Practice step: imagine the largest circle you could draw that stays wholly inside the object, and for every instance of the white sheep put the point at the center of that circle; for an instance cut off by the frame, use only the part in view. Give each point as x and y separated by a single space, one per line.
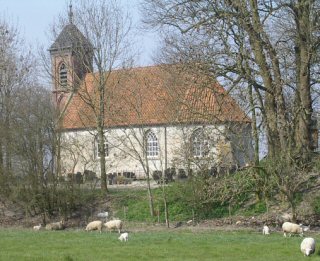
103 215
124 237
265 230
291 228
114 224
37 228
305 228
55 226
308 246
94 225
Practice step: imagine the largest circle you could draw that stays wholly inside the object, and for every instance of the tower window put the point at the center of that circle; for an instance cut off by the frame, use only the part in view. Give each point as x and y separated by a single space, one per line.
63 75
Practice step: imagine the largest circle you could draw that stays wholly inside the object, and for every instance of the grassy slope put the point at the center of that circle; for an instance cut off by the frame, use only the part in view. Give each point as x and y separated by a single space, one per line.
22 244
137 207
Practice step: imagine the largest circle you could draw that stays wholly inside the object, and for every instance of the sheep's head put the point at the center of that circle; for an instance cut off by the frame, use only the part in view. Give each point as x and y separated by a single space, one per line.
306 228
309 251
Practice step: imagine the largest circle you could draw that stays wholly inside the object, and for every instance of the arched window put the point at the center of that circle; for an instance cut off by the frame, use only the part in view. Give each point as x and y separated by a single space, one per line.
199 143
97 148
152 145
63 75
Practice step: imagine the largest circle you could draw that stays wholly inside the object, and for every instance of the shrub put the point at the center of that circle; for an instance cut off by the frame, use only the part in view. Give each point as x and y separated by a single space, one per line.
316 205
168 175
78 178
181 174
156 175
255 209
89 175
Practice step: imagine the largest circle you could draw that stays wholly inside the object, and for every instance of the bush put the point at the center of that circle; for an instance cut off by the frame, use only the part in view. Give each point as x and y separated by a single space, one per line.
255 209
78 178
168 175
182 174
89 175
156 175
316 205
130 175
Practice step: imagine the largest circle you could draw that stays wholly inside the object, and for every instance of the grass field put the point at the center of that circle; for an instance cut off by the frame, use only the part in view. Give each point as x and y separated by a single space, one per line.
23 244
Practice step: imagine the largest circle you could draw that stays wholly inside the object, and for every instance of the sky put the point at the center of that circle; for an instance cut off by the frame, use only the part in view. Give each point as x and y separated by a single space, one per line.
34 17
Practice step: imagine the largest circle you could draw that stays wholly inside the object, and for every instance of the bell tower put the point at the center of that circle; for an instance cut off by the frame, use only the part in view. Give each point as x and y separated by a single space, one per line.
71 59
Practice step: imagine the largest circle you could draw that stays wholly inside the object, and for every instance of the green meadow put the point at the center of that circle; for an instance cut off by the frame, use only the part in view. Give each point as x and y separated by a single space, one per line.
24 244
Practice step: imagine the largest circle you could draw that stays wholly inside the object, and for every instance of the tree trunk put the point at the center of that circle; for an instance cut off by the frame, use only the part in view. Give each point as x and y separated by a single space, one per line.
165 203
102 159
58 154
1 159
166 211
254 127
257 45
303 95
294 212
100 129
151 205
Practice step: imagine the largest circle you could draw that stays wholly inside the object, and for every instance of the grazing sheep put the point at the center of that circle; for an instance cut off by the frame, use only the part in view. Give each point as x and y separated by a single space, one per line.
94 225
291 228
37 228
305 228
124 237
308 246
265 230
55 226
103 215
114 224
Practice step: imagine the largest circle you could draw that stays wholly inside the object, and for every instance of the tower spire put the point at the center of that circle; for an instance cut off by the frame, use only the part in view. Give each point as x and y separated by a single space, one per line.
70 13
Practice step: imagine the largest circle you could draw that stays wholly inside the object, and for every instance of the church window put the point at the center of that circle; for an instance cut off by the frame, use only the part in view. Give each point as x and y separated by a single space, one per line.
97 148
63 75
200 145
152 145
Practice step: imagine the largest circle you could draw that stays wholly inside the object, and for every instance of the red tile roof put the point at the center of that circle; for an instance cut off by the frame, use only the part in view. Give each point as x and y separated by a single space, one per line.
150 96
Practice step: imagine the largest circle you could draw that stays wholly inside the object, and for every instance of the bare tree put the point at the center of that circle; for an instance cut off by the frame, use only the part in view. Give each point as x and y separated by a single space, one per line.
266 53
102 46
234 43
33 147
14 74
130 109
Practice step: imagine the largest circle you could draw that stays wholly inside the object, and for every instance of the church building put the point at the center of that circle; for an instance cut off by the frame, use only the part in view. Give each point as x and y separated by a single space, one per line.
154 117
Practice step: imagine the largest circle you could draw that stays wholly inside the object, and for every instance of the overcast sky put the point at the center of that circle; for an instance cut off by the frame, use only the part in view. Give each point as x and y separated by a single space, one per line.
34 17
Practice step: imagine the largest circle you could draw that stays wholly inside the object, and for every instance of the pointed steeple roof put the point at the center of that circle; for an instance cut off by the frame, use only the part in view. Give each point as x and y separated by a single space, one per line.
69 38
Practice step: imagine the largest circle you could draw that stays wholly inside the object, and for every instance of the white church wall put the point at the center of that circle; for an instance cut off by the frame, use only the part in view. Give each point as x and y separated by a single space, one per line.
126 149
